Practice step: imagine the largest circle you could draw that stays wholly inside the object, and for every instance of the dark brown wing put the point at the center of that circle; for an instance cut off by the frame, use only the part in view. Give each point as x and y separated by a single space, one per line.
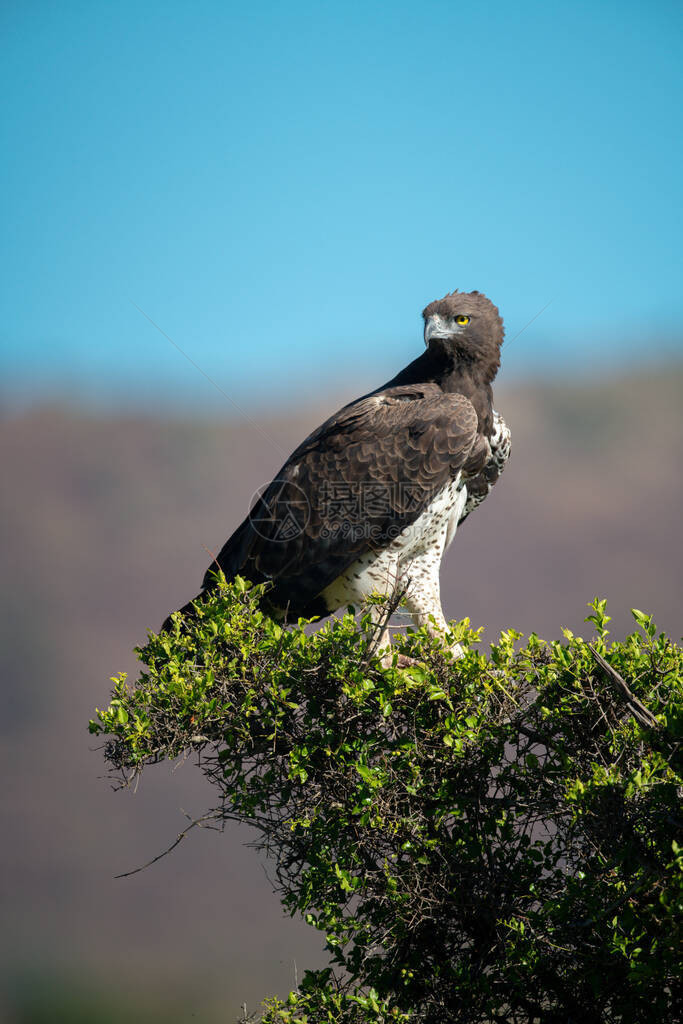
481 482
350 487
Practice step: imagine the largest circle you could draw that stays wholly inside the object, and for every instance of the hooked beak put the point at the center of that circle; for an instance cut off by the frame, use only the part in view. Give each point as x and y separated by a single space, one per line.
436 327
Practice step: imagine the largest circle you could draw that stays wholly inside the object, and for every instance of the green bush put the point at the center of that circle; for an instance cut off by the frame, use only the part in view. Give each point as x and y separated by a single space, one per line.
485 839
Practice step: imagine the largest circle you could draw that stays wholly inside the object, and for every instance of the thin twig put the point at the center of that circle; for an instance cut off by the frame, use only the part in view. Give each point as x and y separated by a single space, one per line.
180 837
636 707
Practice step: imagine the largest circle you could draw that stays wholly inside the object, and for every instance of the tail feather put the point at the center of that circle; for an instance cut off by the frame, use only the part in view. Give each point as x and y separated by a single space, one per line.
232 556
230 560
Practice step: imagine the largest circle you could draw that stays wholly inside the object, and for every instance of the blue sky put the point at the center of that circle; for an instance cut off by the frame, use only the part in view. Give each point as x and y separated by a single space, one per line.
281 187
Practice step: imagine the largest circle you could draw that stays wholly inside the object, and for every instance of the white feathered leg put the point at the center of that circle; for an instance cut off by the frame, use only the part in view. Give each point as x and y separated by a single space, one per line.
423 599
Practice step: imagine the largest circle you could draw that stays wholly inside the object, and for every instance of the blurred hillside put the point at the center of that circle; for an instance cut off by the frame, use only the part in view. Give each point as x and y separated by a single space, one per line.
105 524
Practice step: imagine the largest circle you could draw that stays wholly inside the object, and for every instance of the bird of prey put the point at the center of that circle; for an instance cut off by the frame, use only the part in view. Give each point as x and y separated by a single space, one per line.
370 501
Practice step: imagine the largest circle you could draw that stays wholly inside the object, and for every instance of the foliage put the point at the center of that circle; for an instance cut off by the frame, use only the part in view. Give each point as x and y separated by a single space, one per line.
482 839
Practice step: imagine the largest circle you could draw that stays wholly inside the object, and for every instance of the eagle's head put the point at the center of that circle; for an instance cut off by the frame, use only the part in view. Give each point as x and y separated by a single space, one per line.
467 326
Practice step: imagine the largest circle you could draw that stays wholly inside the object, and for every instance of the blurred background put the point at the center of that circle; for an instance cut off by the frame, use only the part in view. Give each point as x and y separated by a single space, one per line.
220 222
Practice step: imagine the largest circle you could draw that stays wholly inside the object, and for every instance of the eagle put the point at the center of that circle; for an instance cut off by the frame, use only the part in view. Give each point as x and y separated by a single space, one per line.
370 500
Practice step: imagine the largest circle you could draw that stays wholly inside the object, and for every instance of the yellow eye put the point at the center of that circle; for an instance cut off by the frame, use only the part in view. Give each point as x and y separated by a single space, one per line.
462 320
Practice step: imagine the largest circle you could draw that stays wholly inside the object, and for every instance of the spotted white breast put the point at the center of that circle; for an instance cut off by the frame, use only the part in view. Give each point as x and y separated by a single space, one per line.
411 559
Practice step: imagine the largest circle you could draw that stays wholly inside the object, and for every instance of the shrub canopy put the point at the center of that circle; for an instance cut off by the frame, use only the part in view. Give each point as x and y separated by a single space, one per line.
492 838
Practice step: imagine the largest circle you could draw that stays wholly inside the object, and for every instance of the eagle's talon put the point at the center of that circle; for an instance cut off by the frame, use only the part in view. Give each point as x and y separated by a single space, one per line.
394 659
405 661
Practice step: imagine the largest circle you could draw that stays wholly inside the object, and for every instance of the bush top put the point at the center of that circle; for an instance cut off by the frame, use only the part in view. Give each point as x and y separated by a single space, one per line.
492 838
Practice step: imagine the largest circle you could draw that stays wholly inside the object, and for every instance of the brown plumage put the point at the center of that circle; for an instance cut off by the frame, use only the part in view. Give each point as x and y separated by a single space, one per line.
399 460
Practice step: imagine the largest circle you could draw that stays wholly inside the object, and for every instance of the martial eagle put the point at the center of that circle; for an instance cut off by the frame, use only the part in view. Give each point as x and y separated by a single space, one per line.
370 500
